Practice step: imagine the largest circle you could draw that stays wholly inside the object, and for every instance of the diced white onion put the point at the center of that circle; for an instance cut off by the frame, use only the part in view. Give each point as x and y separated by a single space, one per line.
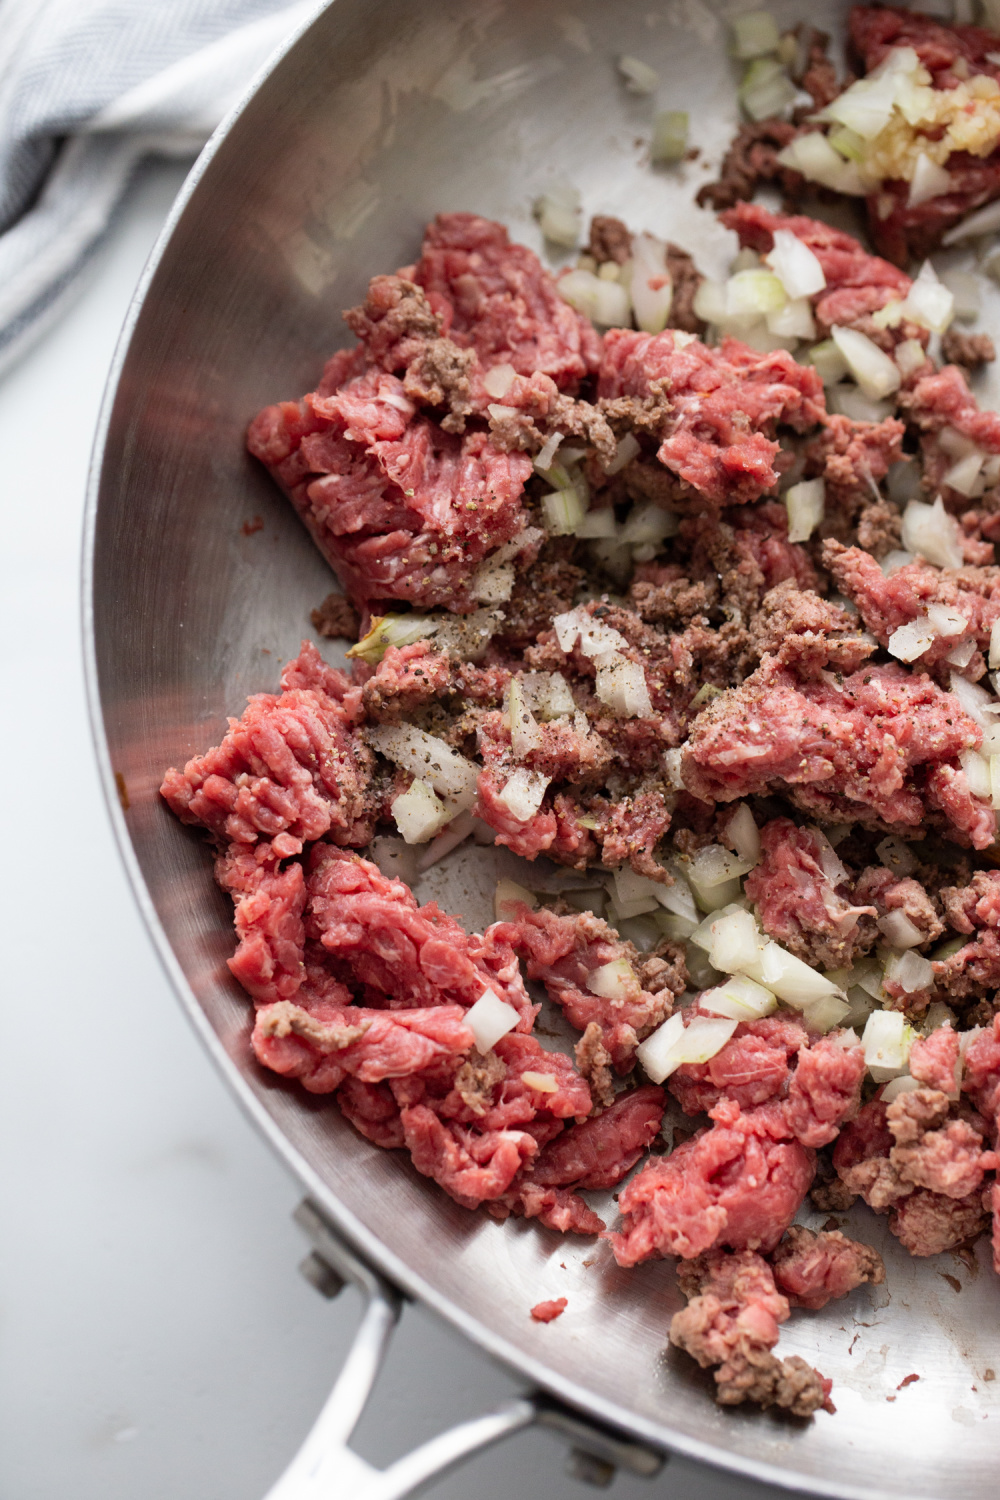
558 213
866 107
598 523
542 1083
735 942
910 355
743 833
710 301
429 759
605 302
752 294
508 896
928 181
467 636
830 365
896 856
670 135
977 774
621 684
650 283
793 321
887 1040
392 630
498 380
490 1019
754 34
910 971
876 374
525 732
894 560
563 510
984 221
766 89
524 793
965 287
791 980
702 1038
947 621
908 642
613 981
740 998
964 476
713 865
419 814
899 931
960 655
630 886
815 158
929 301
547 452
649 523
805 503
628 448
903 1084
995 644
973 698
677 898
493 582
823 1015
655 1052
639 77
928 530
594 637
795 265
991 740
848 401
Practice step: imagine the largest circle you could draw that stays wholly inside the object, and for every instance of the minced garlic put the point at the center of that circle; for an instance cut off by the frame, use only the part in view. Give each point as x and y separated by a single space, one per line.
965 118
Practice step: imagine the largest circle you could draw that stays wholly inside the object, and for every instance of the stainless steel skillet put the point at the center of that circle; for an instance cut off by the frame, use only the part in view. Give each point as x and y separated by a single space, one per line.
381 114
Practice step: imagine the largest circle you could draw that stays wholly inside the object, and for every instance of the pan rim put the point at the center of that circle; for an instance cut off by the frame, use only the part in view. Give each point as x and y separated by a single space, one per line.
379 1255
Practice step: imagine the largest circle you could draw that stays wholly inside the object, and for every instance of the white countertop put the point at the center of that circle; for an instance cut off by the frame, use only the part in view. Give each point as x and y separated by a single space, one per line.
157 1342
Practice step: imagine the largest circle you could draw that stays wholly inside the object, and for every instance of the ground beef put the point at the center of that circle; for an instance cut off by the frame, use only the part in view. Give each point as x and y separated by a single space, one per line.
928 1223
601 1151
289 770
950 53
825 1091
887 603
880 529
967 349
610 239
545 1312
820 76
562 952
731 1321
932 1151
934 1061
861 1159
941 398
498 299
594 1062
686 279
739 1183
974 911
336 618
407 678
555 1208
720 406
752 159
803 897
800 630
754 1065
853 457
811 1269
547 588
879 745
981 1080
856 283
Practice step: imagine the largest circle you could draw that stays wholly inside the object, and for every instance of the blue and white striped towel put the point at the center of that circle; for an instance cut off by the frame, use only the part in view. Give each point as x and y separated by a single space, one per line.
88 88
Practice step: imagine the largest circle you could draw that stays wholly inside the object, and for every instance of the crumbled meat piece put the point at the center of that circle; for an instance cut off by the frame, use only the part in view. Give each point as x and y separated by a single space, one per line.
825 1090
820 76
471 1166
663 969
752 159
934 1060
932 1151
373 1111
974 911
555 1208
601 1151
967 349
803 898
853 457
941 398
738 1183
268 918
731 1321
547 588
545 1312
686 279
394 322
609 240
562 952
443 375
811 1269
594 1062
753 1066
929 1223
981 1079
880 887
800 630
720 406
336 618
880 529
879 746
861 1159
288 770
477 1079
405 679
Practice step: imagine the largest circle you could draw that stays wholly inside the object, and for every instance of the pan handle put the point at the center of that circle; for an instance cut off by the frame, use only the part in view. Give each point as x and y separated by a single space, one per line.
326 1468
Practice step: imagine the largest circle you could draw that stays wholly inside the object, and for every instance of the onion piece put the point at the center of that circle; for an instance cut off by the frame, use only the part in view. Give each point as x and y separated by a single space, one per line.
524 793
498 380
828 362
887 1040
752 294
847 401
490 1019
419 813
815 158
649 523
795 265
984 221
740 998
655 1052
460 828
629 886
710 301
977 774
928 181
628 448
903 1083
701 1039
908 642
428 758
929 302
598 523
744 835
965 475
594 638
754 34
766 90
805 503
639 77
876 374
823 1015
670 135
946 621
525 732
392 630
994 661
677 898
650 285
791 980
928 530
910 971
547 452
910 355
558 214
896 856
735 942
793 321
508 896
960 655
899 931
613 981
563 510
713 865
973 698
621 684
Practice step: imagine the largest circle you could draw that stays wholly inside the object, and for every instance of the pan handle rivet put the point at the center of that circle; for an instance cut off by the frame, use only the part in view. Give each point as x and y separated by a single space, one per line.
320 1274
589 1469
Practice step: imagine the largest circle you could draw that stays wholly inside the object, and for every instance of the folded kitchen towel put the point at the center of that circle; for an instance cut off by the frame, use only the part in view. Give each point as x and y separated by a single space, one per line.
88 88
